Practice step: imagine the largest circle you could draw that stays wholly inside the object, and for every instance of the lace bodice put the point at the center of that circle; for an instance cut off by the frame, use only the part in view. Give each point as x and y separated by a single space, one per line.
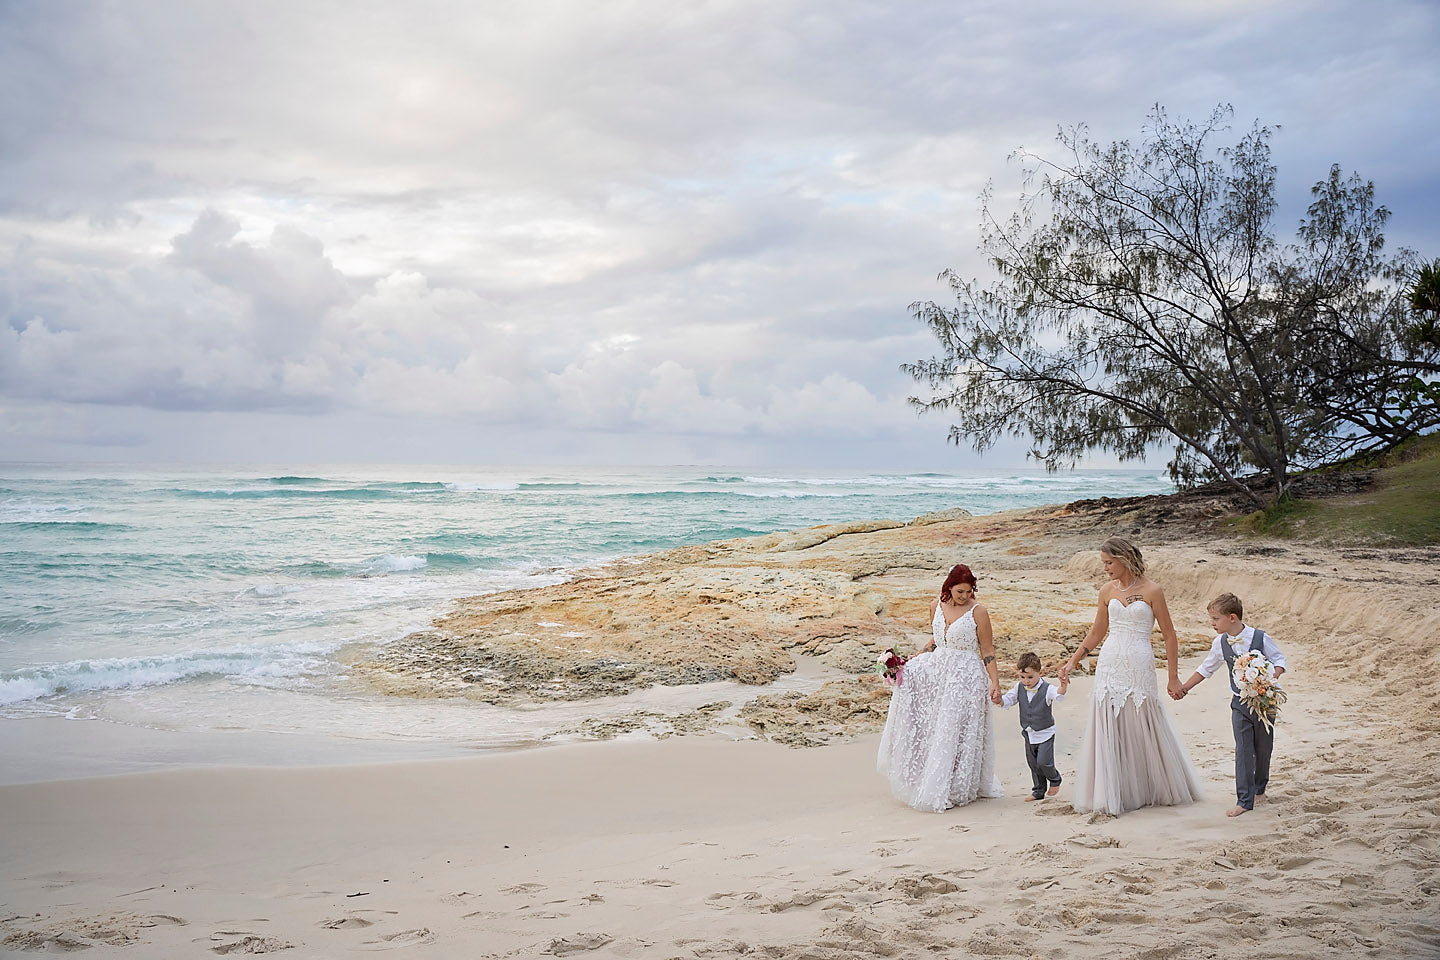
1132 623
1125 669
959 635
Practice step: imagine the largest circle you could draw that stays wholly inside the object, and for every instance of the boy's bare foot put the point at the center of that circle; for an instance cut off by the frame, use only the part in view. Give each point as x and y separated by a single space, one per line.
1052 791
1261 798
1236 810
1031 799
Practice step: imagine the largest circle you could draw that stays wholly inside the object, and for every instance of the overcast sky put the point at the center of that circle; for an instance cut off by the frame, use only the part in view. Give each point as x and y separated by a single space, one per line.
612 232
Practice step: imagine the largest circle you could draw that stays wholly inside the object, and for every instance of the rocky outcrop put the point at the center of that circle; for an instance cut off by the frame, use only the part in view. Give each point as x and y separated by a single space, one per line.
747 610
603 635
839 710
941 516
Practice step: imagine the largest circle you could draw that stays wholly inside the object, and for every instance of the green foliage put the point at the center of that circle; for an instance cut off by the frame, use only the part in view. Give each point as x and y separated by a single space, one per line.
1425 295
1270 517
1402 509
1425 300
1142 300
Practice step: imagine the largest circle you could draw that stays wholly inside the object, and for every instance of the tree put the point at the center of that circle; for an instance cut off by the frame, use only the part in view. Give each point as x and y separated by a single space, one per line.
1425 295
1142 300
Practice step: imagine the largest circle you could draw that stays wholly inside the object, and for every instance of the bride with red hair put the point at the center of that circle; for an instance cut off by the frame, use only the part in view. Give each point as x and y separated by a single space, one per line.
938 748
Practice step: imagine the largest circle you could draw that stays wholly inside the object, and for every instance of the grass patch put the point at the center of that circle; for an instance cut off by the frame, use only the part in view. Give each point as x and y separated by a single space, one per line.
1403 508
1272 519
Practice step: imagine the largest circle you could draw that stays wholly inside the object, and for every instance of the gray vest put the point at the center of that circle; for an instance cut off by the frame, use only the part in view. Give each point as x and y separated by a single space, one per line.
1034 714
1257 643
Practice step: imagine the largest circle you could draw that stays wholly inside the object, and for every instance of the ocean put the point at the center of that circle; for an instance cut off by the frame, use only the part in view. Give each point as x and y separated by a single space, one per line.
229 599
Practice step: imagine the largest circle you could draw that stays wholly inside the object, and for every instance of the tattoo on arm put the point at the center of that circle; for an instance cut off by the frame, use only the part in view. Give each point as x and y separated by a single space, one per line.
988 660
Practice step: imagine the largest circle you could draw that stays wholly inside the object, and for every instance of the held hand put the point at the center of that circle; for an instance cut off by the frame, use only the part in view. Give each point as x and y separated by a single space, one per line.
1065 669
1177 690
995 697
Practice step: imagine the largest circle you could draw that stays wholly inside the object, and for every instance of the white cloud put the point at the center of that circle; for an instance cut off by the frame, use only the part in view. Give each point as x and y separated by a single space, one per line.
694 224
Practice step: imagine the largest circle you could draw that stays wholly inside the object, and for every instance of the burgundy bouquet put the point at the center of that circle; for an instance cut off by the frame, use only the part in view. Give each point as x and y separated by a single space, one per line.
892 666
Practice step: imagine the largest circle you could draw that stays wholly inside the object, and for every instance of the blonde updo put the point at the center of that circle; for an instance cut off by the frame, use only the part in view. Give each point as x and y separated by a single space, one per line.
1127 553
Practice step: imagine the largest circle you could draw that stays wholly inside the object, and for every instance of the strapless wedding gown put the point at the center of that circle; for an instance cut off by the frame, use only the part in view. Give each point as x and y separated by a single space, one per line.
1132 755
938 748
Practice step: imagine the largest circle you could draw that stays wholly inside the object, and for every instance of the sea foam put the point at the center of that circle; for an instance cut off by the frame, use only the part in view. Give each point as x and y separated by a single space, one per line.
245 663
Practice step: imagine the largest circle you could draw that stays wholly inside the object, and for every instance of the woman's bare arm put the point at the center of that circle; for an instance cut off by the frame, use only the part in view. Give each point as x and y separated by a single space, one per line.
985 635
931 645
1156 599
1093 638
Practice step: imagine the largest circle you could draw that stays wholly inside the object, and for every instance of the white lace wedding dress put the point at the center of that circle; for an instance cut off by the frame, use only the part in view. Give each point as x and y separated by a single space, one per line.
938 748
1132 755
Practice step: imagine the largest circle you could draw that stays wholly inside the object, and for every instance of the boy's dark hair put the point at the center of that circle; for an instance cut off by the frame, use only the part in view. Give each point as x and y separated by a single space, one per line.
1028 661
1227 603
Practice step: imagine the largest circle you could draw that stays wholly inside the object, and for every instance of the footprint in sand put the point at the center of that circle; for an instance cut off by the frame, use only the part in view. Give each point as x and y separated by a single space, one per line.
717 900
1295 863
1322 806
523 888
405 938
33 940
350 922
162 920
924 887
250 944
805 899
579 943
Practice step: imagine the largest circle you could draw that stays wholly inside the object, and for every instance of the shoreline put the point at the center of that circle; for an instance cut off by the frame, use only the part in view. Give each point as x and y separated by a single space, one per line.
754 690
812 608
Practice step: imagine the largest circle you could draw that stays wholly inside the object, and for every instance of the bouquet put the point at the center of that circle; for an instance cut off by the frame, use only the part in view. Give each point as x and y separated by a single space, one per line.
892 666
1259 690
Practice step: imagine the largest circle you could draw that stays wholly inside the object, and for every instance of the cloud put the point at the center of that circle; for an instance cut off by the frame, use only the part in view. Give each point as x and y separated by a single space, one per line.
692 223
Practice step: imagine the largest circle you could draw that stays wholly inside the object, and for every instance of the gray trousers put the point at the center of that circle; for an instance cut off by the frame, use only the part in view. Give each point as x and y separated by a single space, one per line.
1041 757
1253 746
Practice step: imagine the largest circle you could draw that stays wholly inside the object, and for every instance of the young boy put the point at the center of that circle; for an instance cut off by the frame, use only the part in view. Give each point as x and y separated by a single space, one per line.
1253 742
1037 724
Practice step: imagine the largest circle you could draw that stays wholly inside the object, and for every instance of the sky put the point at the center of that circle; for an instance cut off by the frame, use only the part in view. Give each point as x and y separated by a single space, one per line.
606 233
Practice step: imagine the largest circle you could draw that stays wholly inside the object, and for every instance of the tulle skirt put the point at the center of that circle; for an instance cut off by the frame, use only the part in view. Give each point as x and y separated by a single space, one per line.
1132 757
938 748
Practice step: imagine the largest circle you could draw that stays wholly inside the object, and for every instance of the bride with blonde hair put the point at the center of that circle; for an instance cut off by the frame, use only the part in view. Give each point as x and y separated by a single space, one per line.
1132 755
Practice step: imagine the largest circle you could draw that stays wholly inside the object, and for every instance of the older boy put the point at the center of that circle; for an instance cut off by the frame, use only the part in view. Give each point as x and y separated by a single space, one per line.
1254 742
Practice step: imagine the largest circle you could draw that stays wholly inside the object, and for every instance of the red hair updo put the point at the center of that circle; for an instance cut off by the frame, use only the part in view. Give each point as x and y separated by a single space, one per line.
959 574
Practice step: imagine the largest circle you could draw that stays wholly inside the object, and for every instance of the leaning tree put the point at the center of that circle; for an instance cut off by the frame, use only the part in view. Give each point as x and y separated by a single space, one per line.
1141 300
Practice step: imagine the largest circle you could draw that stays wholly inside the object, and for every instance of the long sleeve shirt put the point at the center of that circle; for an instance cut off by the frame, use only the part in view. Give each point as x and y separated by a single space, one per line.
1052 697
1240 643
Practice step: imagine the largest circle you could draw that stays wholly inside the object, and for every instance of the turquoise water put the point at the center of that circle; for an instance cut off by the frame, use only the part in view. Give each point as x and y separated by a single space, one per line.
182 596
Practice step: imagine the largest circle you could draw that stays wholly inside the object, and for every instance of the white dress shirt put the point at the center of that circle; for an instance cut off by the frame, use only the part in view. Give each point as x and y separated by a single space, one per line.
1240 643
1052 696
